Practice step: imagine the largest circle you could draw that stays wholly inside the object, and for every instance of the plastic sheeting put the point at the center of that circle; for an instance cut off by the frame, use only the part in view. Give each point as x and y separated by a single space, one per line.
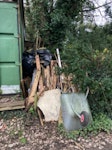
28 60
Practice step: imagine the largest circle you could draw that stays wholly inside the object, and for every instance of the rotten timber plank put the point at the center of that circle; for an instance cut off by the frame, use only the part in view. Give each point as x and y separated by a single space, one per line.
12 105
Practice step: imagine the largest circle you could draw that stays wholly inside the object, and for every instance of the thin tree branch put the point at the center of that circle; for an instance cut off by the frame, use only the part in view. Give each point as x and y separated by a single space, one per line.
97 7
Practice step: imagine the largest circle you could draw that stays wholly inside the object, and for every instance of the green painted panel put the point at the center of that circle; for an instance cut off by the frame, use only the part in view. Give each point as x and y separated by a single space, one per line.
8 18
9 74
9 49
9 45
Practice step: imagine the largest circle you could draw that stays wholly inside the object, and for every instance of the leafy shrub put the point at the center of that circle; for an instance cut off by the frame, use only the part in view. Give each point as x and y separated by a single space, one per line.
90 68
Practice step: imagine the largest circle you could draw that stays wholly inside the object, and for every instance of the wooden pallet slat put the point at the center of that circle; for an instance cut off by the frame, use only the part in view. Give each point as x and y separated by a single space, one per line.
12 105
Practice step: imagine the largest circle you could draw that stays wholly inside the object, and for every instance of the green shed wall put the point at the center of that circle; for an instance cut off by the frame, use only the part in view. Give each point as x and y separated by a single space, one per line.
11 37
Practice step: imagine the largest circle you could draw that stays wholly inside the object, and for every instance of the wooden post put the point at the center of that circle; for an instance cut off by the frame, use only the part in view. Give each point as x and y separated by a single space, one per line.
33 91
47 76
41 85
60 119
40 116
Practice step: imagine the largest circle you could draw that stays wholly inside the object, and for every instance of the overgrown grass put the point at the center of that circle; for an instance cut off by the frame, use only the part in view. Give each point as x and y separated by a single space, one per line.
101 123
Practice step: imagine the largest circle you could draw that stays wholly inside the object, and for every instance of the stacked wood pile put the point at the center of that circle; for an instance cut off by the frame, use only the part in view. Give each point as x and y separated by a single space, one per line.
44 78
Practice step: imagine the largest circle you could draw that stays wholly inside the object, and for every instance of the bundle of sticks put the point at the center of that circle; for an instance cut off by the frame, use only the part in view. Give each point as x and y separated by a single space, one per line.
44 78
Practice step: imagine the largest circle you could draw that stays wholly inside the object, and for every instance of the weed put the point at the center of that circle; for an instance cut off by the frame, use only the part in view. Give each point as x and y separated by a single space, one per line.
23 140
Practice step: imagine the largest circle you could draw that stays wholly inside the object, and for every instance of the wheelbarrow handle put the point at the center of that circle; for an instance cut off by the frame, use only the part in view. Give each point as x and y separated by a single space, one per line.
87 92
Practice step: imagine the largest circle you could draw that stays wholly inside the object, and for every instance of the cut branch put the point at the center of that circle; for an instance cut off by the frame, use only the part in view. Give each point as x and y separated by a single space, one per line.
96 7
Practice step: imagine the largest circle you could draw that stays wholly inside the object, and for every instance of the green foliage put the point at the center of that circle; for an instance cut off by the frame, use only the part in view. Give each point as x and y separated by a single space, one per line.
90 68
108 34
23 140
53 19
32 111
87 49
101 123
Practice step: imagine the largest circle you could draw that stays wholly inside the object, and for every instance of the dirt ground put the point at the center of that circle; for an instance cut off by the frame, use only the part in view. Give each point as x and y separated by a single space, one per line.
20 130
25 133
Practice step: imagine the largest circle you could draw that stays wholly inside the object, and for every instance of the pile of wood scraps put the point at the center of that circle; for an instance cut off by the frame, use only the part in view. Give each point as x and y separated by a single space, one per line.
46 87
66 84
11 102
44 79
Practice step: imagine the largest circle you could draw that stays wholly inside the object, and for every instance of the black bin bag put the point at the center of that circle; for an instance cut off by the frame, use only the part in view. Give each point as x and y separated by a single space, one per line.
28 64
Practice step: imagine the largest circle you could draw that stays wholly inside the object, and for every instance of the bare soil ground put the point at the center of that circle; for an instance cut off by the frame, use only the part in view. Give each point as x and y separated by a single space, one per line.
20 130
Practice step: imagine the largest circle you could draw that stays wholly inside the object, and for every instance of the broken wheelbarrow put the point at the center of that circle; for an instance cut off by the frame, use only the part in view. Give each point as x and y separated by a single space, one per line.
75 111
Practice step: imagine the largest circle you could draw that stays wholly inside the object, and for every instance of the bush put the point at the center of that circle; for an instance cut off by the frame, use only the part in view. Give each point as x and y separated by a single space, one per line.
90 68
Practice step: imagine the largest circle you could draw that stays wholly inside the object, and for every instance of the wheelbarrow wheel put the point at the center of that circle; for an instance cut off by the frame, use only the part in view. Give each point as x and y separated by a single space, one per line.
84 118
